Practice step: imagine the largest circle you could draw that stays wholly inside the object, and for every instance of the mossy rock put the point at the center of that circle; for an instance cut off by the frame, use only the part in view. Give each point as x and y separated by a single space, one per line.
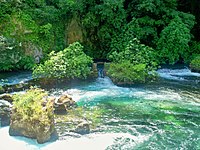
32 115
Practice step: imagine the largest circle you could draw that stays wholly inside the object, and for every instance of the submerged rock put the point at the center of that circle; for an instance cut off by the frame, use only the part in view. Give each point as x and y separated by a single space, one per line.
83 128
64 103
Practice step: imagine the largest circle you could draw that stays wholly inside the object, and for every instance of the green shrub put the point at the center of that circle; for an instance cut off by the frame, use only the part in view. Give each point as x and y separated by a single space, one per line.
136 53
72 62
126 72
195 63
27 62
173 43
133 64
29 106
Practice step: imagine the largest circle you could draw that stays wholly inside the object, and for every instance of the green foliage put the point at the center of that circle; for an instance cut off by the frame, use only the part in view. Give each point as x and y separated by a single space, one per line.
128 73
194 50
12 58
108 26
102 20
32 22
132 64
26 63
195 63
29 107
173 42
136 53
72 62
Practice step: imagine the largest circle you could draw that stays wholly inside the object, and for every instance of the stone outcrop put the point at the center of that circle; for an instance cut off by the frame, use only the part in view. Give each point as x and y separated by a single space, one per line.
35 119
64 103
74 30
32 130
33 50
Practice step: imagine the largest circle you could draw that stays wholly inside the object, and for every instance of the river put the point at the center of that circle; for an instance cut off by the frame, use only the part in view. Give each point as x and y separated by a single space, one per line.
156 116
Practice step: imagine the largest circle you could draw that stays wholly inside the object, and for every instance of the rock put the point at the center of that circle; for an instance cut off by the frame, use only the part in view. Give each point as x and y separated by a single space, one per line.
36 118
6 97
28 129
5 108
64 103
83 128
74 30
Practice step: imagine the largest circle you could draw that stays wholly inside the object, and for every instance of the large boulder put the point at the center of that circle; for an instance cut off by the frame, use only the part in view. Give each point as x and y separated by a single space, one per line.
32 116
5 108
64 103
42 133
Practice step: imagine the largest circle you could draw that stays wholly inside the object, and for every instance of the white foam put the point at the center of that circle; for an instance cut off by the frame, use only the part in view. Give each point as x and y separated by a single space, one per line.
176 74
96 91
94 141
3 102
157 95
103 87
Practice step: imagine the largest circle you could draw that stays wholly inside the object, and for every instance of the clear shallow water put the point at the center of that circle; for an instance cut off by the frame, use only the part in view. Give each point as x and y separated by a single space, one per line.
163 115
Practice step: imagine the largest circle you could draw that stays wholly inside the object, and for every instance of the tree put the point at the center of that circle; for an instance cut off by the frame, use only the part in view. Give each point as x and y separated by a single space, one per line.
173 42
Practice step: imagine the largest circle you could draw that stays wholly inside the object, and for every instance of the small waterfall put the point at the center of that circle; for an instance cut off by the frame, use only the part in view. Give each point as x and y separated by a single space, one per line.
100 69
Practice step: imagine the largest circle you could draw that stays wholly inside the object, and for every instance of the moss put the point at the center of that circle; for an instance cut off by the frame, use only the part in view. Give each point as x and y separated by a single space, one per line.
33 106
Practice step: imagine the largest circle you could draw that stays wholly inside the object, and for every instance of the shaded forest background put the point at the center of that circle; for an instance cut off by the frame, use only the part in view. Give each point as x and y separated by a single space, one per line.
108 29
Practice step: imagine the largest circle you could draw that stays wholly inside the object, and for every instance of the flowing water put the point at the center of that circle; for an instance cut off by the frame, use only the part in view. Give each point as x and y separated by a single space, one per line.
11 78
157 116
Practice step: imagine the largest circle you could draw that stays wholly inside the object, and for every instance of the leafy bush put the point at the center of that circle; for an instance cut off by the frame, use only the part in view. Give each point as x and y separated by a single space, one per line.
195 63
29 106
173 42
132 64
126 72
136 53
72 62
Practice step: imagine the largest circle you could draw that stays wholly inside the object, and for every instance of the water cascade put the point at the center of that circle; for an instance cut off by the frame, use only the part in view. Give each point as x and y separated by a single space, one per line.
100 69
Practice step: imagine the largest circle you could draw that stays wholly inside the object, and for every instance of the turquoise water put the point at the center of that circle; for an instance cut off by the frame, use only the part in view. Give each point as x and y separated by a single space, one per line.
11 78
163 115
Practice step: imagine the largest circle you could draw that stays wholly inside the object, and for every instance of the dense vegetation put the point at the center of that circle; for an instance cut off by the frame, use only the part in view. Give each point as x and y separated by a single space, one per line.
195 64
72 62
37 32
134 63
